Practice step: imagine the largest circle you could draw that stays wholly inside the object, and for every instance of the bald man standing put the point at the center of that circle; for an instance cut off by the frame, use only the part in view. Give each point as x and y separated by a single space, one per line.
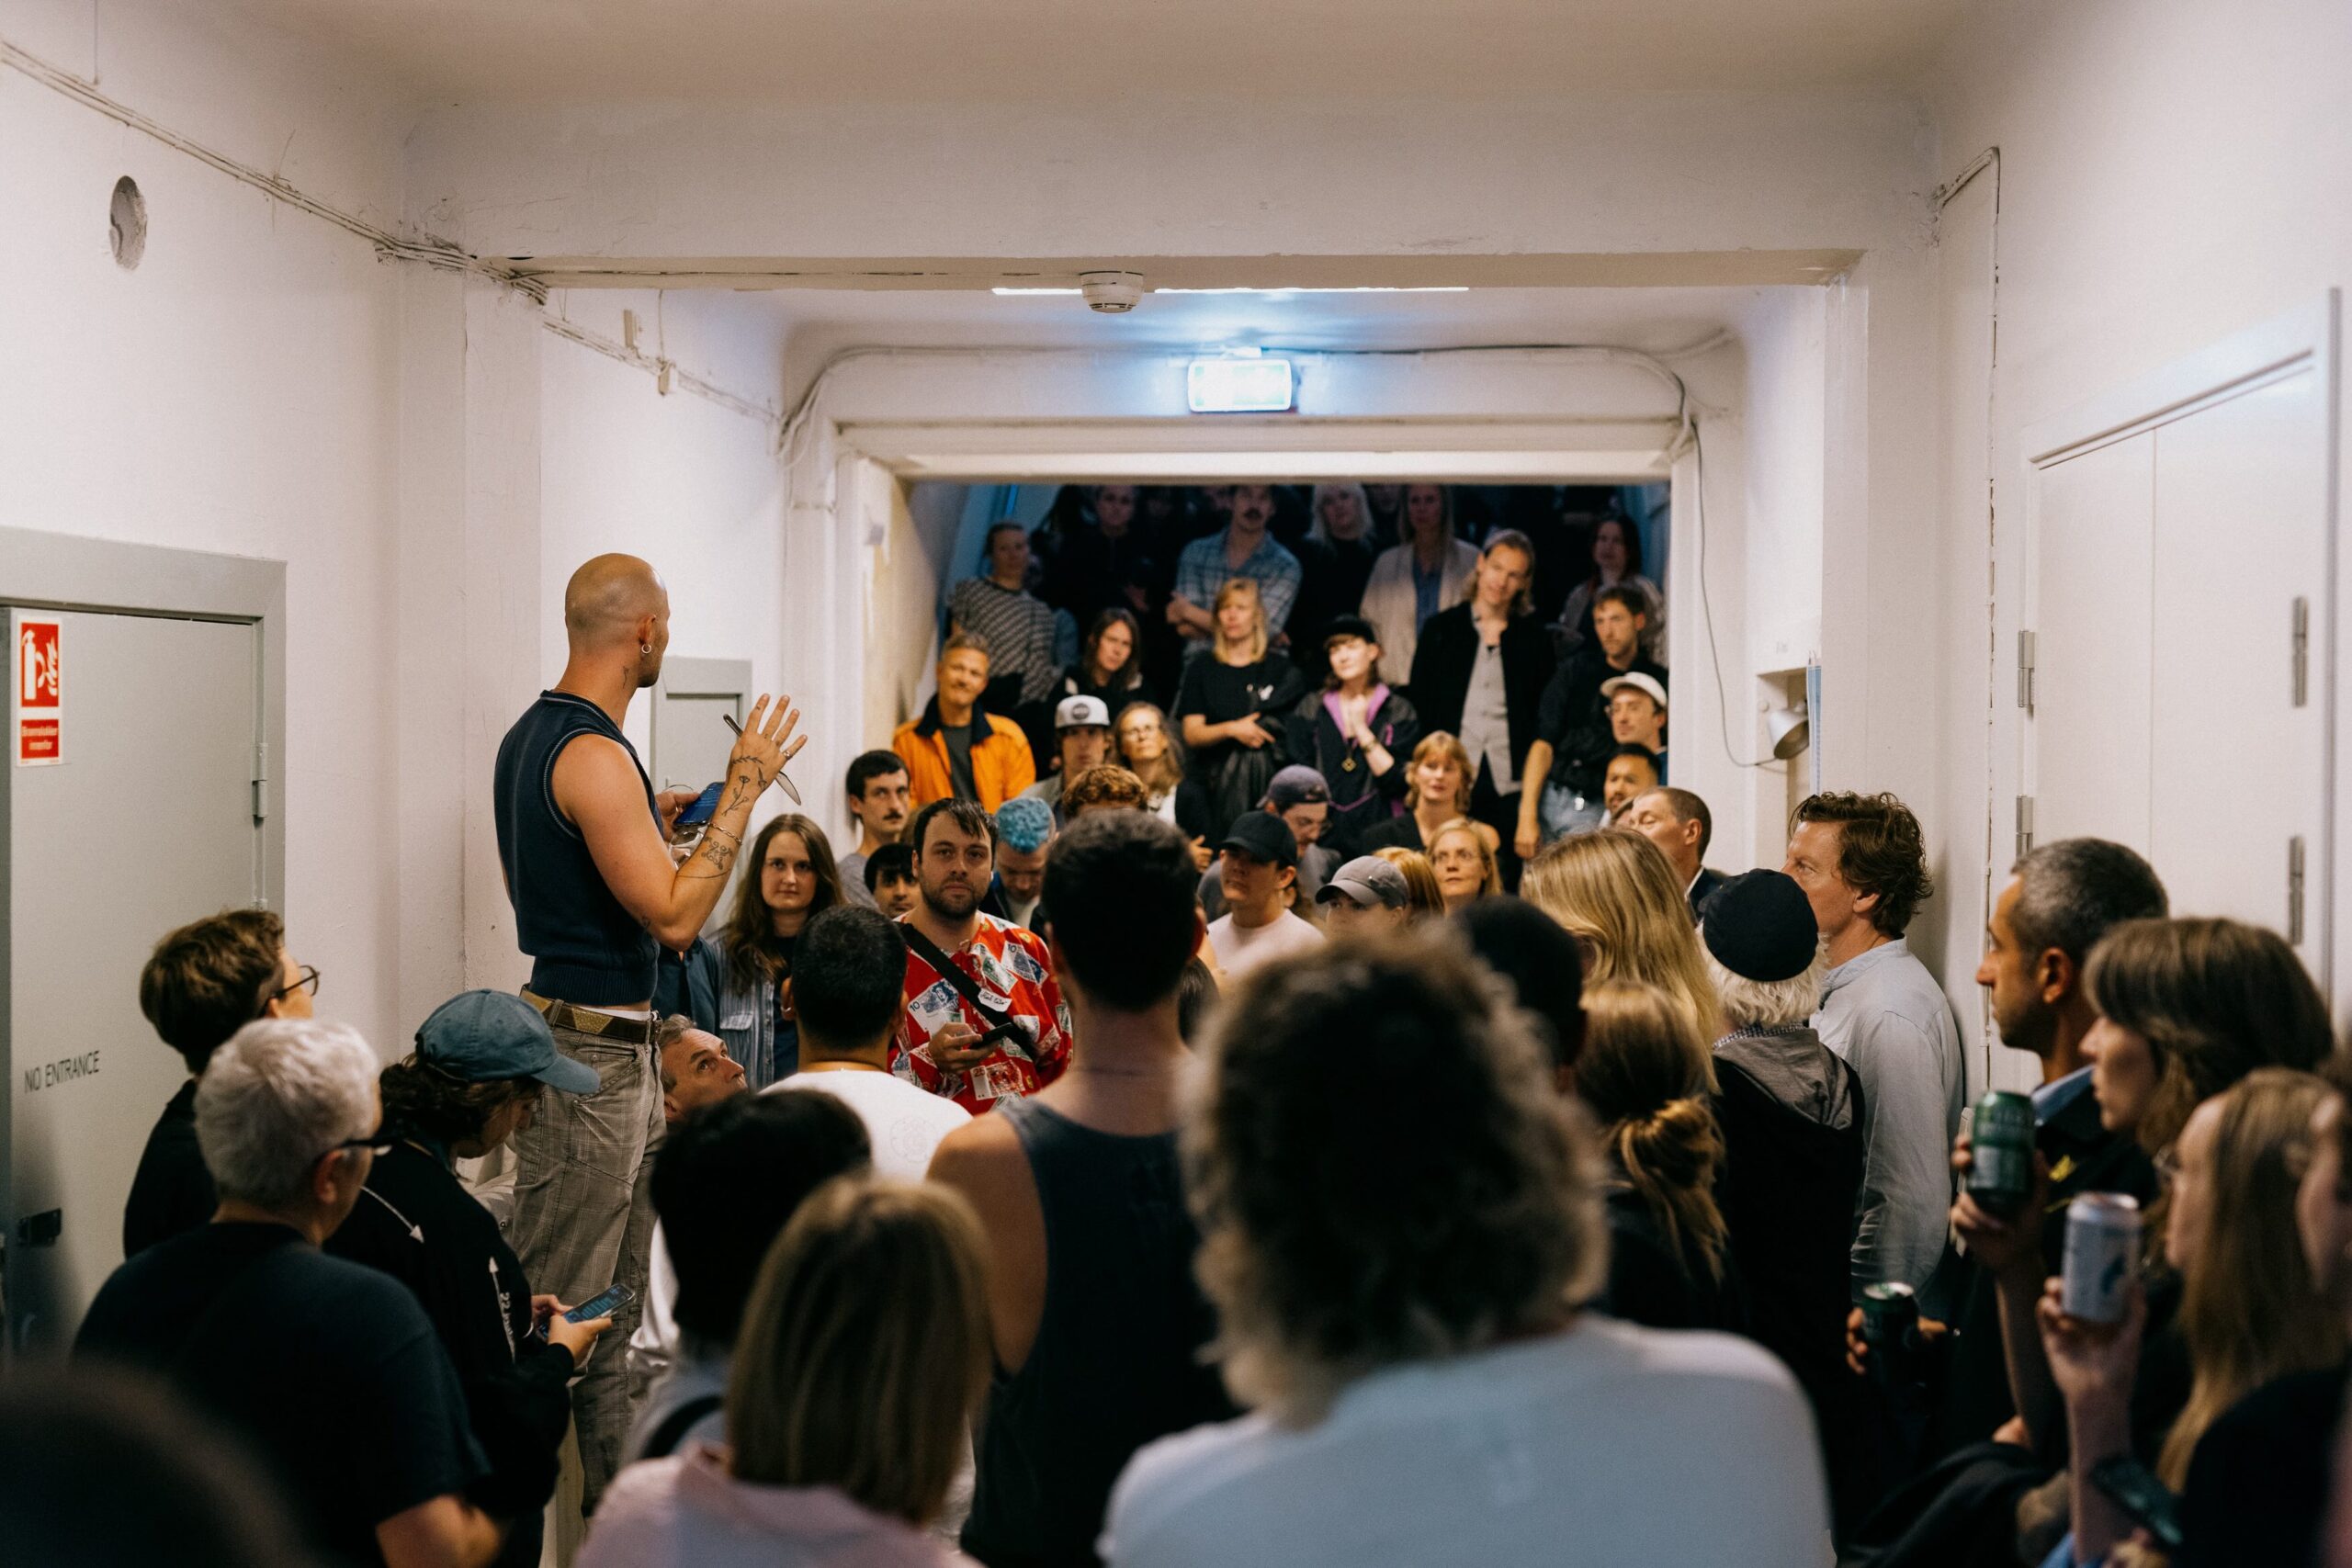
586 845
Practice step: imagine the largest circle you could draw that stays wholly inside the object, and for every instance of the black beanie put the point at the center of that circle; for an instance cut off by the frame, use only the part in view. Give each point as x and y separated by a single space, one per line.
1759 927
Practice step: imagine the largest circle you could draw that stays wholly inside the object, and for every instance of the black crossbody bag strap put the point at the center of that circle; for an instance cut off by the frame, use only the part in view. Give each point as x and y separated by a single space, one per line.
953 973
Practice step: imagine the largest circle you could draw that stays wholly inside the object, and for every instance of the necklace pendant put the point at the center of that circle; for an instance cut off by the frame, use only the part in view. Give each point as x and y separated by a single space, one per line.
1348 766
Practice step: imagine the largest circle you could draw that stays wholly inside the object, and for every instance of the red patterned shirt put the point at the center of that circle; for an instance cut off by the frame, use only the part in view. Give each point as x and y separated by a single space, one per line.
1016 979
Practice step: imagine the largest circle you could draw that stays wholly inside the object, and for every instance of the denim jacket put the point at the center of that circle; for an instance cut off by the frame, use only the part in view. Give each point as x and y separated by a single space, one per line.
742 1015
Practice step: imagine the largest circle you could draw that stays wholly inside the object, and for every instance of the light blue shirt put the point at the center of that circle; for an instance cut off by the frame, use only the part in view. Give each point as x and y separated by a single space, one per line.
2053 1099
1886 1016
1201 571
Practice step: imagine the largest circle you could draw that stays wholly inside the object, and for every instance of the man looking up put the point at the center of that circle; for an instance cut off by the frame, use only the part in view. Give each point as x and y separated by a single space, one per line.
1863 867
695 1068
880 797
1574 738
1260 869
971 975
1242 550
1024 828
1097 1336
957 750
203 983
585 843
850 991
1679 824
1300 796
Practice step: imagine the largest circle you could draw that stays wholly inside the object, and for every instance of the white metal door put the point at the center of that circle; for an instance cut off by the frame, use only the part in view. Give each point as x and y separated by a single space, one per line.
690 740
149 821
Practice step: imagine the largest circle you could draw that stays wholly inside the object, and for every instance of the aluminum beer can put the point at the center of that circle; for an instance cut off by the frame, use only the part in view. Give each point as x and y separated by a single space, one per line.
2102 1252
2000 1146
1890 1327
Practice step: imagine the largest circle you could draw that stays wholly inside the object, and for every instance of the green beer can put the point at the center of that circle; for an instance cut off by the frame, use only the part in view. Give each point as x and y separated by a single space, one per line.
2000 1142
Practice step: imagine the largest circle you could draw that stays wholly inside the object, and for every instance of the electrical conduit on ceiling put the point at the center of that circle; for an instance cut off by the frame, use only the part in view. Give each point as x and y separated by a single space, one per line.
389 246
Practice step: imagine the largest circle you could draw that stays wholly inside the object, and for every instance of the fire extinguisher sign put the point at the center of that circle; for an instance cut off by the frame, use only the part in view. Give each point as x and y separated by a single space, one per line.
40 708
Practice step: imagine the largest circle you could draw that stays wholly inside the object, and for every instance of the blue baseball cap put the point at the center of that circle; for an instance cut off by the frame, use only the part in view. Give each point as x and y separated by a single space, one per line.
482 1035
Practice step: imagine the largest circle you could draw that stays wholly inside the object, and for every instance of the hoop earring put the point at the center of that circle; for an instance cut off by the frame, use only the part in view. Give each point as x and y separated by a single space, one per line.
644 648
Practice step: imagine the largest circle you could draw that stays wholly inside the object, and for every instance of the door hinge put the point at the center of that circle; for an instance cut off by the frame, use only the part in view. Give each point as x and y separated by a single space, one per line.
261 781
2295 891
2025 826
2025 670
2301 636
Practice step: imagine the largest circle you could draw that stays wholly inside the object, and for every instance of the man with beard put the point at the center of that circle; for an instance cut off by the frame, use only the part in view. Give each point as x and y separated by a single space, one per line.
985 1019
585 843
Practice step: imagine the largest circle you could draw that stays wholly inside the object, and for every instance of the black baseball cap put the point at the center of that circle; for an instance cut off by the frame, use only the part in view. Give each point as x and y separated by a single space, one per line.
1760 927
1348 625
1263 836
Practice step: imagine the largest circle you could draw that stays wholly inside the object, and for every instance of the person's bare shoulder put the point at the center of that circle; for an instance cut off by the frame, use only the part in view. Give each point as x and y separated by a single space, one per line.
977 1153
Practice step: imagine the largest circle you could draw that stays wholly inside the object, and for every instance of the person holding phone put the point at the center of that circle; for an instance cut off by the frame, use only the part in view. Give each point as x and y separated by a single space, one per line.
585 846
985 1020
483 1063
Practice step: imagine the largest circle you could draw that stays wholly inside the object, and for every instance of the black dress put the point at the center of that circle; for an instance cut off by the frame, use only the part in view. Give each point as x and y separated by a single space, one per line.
1235 776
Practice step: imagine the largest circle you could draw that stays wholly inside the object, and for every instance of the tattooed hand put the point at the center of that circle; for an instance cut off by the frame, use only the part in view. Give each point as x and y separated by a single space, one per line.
762 749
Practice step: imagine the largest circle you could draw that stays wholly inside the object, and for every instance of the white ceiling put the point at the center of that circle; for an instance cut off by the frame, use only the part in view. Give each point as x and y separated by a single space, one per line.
1023 49
1653 319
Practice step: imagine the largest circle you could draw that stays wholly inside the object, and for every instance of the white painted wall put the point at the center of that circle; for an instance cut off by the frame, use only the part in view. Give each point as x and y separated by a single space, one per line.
426 458
2169 174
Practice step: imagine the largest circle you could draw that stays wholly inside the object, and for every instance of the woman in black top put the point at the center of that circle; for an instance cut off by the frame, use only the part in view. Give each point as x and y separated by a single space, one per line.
472 1083
1479 673
1357 733
1109 664
1231 704
1644 1074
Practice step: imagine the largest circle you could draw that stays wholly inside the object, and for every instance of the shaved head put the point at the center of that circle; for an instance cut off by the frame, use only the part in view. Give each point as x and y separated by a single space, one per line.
607 605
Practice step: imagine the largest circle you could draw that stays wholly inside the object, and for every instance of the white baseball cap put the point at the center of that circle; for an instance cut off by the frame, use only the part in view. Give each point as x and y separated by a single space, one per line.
1636 682
1082 712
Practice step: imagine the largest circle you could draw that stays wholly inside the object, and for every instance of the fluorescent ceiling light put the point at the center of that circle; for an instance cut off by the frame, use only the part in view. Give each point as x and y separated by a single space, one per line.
1446 288
1036 290
1238 384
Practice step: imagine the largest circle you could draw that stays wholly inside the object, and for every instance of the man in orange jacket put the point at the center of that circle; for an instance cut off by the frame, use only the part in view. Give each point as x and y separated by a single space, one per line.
958 748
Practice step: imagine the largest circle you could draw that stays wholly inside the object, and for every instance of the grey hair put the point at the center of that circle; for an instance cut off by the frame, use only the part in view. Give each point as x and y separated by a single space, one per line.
282 1092
1768 1004
2071 892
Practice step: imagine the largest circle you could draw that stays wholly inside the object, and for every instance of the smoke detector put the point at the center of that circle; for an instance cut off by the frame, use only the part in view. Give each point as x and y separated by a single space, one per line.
1111 293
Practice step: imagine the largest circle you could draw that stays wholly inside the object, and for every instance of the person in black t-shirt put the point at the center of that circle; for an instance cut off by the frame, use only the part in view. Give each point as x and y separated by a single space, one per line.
329 1370
481 1061
203 983
1231 706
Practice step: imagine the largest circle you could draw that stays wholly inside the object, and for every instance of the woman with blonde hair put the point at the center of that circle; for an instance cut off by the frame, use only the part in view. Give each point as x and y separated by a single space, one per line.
1464 864
1615 892
1437 790
864 1352
2250 1311
1669 1264
1424 899
1231 704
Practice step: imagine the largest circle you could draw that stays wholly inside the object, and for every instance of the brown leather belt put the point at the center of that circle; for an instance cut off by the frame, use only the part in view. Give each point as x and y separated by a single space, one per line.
587 1021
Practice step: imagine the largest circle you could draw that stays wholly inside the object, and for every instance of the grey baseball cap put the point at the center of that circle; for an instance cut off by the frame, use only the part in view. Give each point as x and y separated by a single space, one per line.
482 1035
1365 881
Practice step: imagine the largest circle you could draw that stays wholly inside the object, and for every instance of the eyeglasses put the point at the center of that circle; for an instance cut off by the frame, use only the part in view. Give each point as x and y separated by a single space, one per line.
374 1142
309 982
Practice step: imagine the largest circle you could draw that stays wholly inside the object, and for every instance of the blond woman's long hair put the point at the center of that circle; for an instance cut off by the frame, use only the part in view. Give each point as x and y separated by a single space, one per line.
865 1347
1640 1073
1424 899
1615 892
1437 742
1241 588
2249 1309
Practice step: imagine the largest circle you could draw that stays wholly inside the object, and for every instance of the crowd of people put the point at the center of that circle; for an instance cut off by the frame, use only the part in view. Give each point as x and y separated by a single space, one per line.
1069 1177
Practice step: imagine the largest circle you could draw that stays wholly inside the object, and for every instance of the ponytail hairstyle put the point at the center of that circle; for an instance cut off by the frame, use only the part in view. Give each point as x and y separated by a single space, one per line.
1640 1075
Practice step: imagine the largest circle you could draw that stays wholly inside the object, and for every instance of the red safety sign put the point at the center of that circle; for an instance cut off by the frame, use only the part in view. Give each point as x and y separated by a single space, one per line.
41 693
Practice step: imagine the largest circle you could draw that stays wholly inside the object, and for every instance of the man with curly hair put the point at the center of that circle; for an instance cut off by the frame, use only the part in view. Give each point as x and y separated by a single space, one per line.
1862 863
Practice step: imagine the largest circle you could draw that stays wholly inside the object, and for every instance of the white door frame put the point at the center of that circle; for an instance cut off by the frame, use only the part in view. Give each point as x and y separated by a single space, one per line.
2304 340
